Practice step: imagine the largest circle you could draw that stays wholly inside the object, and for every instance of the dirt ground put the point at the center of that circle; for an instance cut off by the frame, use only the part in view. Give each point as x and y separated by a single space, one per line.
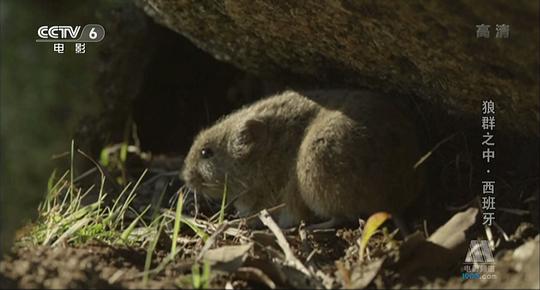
241 257
100 266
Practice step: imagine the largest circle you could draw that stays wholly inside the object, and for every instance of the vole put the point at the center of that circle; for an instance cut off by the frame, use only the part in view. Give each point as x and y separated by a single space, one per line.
331 155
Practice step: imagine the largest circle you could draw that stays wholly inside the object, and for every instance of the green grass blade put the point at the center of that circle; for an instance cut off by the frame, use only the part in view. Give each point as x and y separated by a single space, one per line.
74 228
195 228
71 171
149 253
125 234
223 199
129 199
196 276
177 221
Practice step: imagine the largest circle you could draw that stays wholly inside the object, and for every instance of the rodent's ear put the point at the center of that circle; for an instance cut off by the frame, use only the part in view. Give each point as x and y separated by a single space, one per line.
247 135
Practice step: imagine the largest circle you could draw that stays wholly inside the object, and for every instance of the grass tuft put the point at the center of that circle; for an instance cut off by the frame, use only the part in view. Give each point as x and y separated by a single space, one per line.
66 217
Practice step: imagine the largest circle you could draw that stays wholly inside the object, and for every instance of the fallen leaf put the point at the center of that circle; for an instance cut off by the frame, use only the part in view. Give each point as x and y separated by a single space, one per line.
361 276
452 234
264 239
283 275
440 251
269 268
228 258
372 224
254 274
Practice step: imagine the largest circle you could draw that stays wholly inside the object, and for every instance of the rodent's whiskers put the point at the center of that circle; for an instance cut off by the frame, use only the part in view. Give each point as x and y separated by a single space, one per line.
195 194
240 182
174 197
233 199
186 190
210 185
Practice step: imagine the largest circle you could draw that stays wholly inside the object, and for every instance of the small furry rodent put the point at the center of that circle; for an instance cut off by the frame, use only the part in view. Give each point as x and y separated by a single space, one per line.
328 155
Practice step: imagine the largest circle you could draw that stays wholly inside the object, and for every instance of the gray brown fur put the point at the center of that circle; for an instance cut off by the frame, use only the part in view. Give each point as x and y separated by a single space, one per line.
333 154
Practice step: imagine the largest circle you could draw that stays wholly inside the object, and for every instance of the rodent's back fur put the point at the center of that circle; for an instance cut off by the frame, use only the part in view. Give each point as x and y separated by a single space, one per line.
325 154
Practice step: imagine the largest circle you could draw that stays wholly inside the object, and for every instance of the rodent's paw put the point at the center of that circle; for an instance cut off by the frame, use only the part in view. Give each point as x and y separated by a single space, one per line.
287 220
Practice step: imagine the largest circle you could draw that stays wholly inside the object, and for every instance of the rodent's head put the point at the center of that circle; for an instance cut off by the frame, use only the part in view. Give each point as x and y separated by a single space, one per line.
224 149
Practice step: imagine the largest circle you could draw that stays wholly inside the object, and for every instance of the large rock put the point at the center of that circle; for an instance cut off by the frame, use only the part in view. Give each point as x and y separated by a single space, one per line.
425 49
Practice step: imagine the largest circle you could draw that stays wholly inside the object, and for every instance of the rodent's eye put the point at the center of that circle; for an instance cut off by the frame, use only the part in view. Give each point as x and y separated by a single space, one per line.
206 153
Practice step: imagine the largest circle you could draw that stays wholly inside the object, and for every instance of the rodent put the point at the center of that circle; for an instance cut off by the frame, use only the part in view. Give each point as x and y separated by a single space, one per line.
328 155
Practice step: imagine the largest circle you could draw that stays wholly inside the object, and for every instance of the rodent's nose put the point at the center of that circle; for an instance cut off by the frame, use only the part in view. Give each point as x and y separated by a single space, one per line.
186 174
191 177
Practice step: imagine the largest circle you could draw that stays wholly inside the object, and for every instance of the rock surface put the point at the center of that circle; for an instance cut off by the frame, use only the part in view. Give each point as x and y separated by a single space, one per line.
425 49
